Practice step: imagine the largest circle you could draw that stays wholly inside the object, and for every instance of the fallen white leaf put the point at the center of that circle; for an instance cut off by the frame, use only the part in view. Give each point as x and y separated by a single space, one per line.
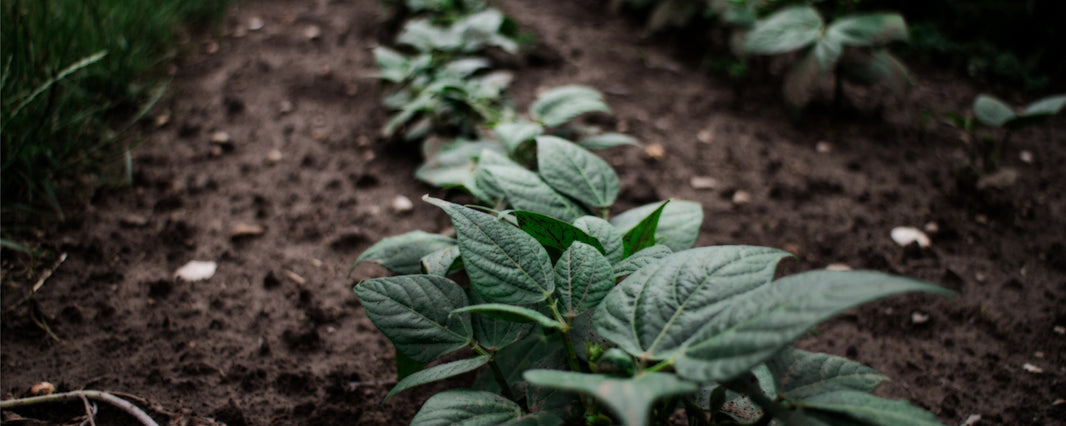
905 235
196 271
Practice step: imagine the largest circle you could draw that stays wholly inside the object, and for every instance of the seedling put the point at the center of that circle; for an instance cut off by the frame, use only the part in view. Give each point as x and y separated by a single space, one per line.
852 48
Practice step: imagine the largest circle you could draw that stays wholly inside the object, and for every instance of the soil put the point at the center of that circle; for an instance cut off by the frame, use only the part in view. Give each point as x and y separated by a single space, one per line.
277 337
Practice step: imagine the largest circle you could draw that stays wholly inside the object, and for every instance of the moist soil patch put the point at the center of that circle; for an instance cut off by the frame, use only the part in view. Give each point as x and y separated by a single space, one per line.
276 336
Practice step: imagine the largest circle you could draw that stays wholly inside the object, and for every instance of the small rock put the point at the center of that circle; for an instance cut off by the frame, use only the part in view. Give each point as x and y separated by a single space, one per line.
274 156
1001 179
905 235
133 221
837 267
402 204
823 147
1038 354
1032 368
982 219
931 227
705 136
220 138
286 107
315 262
655 151
211 48
245 230
319 135
255 24
196 271
1060 329
919 318
971 420
43 388
980 277
296 278
312 32
741 198
162 119
1026 157
703 182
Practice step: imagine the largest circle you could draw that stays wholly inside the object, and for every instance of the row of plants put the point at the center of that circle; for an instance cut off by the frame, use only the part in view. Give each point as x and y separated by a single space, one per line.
74 76
569 314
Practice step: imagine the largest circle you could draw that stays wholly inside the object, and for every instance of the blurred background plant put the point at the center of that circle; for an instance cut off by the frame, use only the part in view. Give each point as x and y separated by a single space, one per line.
75 75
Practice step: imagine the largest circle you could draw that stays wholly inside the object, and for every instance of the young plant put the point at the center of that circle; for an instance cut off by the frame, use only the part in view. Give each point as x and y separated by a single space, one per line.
852 48
570 317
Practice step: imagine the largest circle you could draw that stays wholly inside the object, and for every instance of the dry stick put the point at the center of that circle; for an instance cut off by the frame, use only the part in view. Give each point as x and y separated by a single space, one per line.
48 273
89 412
94 394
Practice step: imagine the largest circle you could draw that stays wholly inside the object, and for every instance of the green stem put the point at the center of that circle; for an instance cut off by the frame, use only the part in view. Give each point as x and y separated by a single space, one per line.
571 353
666 363
605 213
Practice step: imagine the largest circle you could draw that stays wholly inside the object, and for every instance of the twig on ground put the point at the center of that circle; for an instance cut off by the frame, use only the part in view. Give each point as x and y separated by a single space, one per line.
120 403
90 412
48 273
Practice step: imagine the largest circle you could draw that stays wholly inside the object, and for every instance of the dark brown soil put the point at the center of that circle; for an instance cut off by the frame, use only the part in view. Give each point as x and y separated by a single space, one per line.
277 337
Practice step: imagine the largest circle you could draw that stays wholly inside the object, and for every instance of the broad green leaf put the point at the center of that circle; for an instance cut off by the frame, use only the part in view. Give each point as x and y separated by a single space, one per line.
610 238
801 374
1050 105
826 52
801 82
392 65
505 265
525 190
664 307
511 135
574 171
511 313
406 366
426 37
870 29
537 419
629 398
414 312
402 254
467 407
607 140
582 279
849 406
536 350
641 259
679 224
439 372
552 232
441 262
642 235
495 334
463 68
760 322
991 111
877 67
556 402
786 30
559 105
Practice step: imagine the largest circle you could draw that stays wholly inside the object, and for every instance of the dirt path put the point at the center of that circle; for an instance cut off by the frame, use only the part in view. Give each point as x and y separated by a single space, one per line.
276 336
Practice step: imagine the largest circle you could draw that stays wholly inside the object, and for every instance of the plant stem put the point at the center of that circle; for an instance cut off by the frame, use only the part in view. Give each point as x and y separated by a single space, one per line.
666 363
122 404
749 385
605 213
571 354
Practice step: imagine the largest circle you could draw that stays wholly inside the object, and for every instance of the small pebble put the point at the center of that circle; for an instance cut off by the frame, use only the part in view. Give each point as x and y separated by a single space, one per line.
43 388
220 138
162 119
296 278
1060 329
312 32
286 107
274 156
196 271
133 221
255 24
1032 368
655 151
1026 157
402 204
211 48
931 227
1058 402
245 230
1038 354
919 318
741 197
905 235
823 147
703 182
705 136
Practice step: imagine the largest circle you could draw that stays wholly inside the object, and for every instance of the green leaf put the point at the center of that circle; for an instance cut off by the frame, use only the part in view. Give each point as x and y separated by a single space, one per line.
511 313
606 140
1050 105
559 105
870 29
641 259
552 232
665 307
439 372
877 67
609 237
441 262
991 111
826 52
463 68
495 334
414 312
760 322
406 366
392 65
538 419
511 135
801 82
849 406
679 224
525 190
629 398
582 279
536 350
467 407
426 37
786 30
801 374
505 265
642 235
403 254
574 171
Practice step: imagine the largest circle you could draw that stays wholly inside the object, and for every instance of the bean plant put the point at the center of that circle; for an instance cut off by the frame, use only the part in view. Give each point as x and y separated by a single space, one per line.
852 48
573 316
